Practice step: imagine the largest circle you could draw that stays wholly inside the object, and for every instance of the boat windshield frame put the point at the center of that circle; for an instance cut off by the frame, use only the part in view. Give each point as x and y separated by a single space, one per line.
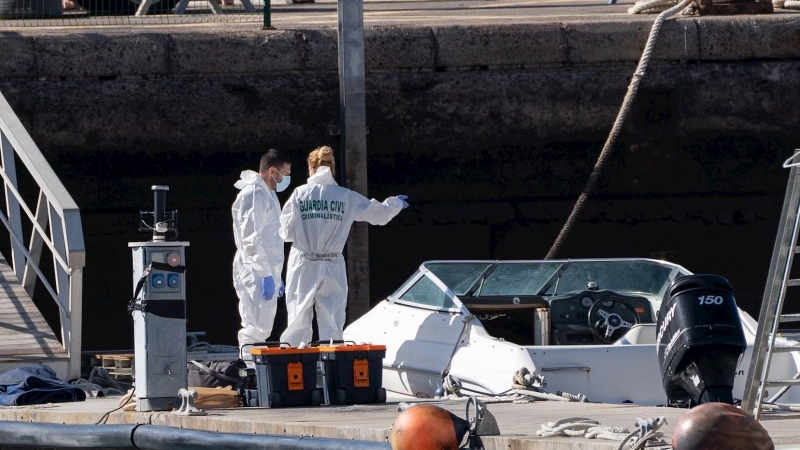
473 284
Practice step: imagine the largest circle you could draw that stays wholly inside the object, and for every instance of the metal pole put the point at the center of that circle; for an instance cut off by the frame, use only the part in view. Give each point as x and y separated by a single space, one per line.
353 158
267 16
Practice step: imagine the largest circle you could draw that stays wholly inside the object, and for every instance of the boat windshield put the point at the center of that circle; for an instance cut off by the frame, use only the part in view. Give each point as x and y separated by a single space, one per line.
521 278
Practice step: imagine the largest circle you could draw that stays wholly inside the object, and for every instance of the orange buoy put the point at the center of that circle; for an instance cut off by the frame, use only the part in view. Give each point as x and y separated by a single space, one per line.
427 427
718 426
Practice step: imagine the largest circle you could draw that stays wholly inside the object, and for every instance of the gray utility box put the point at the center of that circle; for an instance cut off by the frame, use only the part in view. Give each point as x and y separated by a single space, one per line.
159 324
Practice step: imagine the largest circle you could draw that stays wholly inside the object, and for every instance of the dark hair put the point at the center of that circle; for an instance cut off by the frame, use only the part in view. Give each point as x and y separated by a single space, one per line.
273 158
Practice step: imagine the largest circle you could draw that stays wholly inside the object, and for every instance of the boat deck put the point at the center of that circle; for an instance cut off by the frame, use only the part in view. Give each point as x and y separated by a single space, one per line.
25 336
518 422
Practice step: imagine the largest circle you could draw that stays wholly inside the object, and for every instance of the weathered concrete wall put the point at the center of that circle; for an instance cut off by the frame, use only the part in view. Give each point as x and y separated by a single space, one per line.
490 130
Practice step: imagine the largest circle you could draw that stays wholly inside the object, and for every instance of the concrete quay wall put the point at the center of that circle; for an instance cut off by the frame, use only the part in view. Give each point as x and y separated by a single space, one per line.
491 130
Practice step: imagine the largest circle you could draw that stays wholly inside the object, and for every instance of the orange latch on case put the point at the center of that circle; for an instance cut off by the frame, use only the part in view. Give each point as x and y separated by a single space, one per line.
360 373
294 373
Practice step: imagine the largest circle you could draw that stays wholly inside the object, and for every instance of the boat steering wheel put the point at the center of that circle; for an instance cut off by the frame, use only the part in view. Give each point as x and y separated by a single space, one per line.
604 324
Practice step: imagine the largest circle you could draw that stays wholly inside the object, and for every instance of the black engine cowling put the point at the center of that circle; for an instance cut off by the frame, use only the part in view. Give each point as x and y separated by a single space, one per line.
700 340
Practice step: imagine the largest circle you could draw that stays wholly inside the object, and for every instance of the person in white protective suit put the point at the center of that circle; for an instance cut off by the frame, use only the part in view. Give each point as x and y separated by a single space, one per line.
258 263
317 220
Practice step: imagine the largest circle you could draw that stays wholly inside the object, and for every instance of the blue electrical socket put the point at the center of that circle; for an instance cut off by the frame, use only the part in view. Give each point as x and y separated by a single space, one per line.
173 280
157 279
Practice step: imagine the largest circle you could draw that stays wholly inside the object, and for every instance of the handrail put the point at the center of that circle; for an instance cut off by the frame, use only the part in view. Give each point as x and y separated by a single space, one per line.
789 163
32 158
10 186
55 208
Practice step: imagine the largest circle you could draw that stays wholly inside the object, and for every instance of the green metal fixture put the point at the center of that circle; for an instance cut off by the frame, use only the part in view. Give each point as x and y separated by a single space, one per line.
267 16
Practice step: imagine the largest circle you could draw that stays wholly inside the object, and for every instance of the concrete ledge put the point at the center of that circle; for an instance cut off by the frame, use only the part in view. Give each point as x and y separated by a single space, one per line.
604 42
234 52
749 37
94 54
486 45
398 48
80 53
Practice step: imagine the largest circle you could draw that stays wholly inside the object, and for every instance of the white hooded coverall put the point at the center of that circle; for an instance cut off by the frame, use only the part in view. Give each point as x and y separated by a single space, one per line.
317 219
259 254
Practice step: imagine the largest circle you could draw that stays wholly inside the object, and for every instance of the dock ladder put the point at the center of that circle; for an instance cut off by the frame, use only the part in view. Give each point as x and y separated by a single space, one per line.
771 316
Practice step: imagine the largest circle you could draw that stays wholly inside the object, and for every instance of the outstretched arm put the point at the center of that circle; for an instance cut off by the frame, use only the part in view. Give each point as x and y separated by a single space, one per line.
375 212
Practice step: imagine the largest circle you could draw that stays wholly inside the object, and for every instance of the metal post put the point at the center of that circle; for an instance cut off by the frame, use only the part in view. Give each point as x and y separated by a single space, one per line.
353 158
267 16
12 204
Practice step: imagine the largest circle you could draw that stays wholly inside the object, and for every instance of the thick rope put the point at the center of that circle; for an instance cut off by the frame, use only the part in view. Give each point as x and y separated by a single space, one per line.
780 407
525 388
452 385
592 429
582 427
528 384
580 205
651 6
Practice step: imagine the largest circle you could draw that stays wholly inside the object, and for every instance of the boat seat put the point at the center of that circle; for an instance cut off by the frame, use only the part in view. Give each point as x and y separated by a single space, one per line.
641 333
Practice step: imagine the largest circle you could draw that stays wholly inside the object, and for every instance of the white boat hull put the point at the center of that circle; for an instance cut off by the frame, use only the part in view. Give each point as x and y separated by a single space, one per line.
420 342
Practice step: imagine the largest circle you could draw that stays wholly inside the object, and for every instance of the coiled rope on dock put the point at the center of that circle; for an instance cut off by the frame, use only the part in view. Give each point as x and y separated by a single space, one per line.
633 87
592 429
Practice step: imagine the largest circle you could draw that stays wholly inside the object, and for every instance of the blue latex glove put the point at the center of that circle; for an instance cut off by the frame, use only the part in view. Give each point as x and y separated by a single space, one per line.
403 199
282 290
267 288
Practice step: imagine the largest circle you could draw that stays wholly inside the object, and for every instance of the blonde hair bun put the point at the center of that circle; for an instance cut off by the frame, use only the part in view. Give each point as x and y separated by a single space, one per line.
322 156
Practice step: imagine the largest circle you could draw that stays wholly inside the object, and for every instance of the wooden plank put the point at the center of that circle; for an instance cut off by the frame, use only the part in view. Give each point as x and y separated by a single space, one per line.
23 330
33 351
6 317
19 324
15 350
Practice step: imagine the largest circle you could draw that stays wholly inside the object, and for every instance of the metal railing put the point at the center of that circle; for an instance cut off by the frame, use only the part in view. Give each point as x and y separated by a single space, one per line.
38 13
56 211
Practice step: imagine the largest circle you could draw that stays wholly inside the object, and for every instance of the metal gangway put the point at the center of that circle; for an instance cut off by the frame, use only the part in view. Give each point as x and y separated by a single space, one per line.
53 227
779 279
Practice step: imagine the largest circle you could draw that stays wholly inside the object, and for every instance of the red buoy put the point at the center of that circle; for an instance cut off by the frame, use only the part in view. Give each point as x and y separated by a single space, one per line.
427 427
719 426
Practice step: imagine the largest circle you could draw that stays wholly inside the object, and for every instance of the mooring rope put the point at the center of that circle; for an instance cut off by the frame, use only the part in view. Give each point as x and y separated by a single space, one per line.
769 407
612 137
592 429
652 6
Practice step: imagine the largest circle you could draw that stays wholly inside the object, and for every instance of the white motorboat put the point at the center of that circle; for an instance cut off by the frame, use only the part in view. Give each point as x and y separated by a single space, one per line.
588 326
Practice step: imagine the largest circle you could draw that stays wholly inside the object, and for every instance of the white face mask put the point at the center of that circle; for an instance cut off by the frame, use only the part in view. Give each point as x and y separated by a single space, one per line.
283 184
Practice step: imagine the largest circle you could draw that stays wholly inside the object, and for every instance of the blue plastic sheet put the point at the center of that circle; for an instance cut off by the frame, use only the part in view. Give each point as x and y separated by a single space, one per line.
36 385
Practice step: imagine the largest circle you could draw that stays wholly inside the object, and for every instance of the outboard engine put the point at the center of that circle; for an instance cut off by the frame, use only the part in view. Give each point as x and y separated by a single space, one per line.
700 340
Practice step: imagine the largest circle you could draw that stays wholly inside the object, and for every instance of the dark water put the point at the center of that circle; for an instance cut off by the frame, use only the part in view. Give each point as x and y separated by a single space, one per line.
711 205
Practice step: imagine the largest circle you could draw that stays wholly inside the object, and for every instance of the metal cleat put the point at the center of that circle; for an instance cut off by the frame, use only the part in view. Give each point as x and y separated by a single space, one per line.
482 424
187 404
651 426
